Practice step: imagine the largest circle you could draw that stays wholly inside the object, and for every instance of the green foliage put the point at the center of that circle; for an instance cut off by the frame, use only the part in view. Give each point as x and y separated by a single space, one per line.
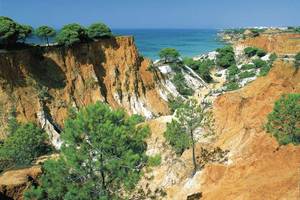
25 31
175 103
21 147
247 74
284 121
168 54
232 86
259 63
102 153
273 57
225 57
179 81
44 32
297 60
154 160
264 70
202 67
176 137
252 51
98 30
180 133
261 52
232 71
9 32
247 66
71 34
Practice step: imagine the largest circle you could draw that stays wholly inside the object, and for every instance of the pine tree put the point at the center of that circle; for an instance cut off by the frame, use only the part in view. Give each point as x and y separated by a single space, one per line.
181 131
102 154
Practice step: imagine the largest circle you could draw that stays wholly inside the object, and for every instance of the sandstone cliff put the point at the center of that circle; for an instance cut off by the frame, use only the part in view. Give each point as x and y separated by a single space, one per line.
257 167
42 83
281 43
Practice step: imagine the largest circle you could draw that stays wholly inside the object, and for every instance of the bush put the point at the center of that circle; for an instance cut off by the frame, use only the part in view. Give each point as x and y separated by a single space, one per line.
232 86
225 57
297 60
247 74
248 66
175 103
260 52
181 86
264 70
232 71
272 57
23 146
202 67
284 121
252 51
259 63
154 160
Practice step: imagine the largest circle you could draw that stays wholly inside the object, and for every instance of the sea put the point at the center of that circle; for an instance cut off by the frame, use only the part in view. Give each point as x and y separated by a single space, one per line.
189 42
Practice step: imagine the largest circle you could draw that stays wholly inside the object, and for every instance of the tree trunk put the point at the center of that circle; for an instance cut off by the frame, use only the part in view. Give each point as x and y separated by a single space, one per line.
194 157
47 41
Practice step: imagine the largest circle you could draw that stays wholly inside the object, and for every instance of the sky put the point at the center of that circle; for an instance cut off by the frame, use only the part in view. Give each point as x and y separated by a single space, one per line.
154 13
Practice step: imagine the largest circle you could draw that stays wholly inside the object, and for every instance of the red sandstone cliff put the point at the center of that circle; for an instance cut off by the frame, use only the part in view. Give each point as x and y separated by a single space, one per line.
42 83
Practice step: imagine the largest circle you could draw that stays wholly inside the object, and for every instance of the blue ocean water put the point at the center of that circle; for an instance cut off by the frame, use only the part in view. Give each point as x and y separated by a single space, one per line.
189 42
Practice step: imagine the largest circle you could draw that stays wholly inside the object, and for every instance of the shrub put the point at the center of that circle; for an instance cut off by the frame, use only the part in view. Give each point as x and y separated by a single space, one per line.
261 52
248 66
264 70
232 86
297 60
23 146
252 51
284 121
232 71
202 67
175 103
154 160
273 57
247 74
225 57
259 63
181 86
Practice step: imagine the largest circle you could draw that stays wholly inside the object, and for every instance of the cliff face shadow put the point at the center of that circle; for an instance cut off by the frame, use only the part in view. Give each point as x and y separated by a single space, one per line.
92 53
47 72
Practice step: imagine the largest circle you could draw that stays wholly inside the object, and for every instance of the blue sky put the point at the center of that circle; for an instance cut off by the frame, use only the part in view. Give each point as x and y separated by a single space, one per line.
155 13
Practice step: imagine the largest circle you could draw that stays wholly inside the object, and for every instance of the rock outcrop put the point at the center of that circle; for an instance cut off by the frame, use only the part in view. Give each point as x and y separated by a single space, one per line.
14 182
50 80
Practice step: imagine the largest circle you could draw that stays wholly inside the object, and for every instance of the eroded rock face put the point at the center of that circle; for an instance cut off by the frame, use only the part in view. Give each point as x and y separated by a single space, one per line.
281 44
259 168
14 182
53 79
